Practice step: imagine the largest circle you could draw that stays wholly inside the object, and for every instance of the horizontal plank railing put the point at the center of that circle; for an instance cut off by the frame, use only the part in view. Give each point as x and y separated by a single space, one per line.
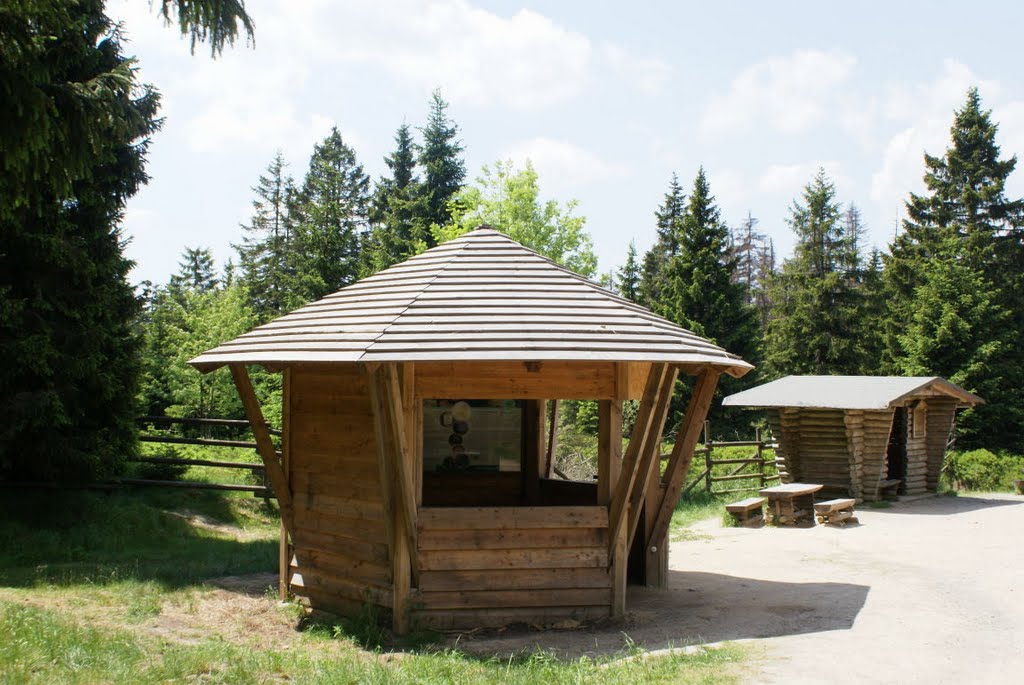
763 458
195 421
262 490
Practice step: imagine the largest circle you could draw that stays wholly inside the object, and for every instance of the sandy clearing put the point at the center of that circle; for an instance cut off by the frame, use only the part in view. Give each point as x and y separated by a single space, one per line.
928 591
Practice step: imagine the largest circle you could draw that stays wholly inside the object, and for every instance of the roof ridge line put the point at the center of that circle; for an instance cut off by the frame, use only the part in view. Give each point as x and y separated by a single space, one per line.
413 299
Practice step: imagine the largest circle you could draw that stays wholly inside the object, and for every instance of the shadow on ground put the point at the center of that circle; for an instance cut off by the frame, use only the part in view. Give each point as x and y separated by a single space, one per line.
943 505
694 608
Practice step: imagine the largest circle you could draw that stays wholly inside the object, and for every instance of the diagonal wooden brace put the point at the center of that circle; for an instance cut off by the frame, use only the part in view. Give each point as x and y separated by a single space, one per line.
682 453
264 445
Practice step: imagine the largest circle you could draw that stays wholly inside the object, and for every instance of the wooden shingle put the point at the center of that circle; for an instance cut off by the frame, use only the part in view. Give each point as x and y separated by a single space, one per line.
480 297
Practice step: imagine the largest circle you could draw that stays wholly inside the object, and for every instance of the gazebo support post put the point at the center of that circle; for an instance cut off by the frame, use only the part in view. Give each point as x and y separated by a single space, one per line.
264 445
389 418
609 464
656 554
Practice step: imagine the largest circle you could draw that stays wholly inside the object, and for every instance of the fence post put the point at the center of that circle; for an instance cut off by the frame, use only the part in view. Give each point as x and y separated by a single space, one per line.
760 454
707 456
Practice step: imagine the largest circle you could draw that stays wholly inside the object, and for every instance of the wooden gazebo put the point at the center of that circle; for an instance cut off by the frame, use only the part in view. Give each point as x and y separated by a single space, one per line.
858 434
414 474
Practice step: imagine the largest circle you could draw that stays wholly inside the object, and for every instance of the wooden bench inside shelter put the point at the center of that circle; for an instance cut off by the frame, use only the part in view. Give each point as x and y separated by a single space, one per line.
889 489
748 512
837 512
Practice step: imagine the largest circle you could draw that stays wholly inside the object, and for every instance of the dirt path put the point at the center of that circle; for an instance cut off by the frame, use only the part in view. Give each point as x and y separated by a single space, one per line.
928 591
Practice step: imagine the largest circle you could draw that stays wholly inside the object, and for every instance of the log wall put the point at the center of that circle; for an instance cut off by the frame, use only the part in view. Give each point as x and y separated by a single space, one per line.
784 425
494 566
941 415
340 553
875 428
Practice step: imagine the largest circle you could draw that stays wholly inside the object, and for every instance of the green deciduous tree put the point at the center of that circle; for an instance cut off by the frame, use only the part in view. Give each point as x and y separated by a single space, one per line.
331 219
509 200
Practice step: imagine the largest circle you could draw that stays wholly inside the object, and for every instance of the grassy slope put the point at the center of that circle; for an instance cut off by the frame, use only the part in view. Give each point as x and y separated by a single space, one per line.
85 579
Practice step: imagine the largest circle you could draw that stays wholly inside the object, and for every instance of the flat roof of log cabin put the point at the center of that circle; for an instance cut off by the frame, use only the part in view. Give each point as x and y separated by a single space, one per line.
479 297
848 392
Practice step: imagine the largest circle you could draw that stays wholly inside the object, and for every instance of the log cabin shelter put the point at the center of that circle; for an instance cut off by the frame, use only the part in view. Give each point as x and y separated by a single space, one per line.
860 435
415 469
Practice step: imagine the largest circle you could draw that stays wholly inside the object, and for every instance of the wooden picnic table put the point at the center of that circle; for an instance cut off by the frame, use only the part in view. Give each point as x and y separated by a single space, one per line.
791 502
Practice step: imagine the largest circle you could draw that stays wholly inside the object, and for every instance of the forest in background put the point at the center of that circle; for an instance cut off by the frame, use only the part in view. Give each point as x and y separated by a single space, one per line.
87 352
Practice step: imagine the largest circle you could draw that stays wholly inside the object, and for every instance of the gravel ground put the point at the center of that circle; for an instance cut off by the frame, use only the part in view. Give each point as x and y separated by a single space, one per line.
927 591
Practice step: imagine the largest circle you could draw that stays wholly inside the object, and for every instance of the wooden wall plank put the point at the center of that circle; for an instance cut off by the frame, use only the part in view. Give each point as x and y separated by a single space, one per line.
508 599
499 518
513 380
451 560
513 539
514 579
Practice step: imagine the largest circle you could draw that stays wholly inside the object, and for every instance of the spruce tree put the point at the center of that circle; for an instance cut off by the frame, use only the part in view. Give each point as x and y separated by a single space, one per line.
669 220
74 138
196 271
818 313
961 237
331 219
701 293
629 275
265 254
397 234
443 168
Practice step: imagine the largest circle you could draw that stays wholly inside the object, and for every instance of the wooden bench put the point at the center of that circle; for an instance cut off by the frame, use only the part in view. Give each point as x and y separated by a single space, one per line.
747 512
837 512
888 489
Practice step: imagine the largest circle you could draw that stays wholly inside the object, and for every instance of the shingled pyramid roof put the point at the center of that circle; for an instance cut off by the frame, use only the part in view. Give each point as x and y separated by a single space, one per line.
480 297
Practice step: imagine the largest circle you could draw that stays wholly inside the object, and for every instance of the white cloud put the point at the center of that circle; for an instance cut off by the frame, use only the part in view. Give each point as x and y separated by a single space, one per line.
789 179
925 113
648 74
788 93
561 164
524 61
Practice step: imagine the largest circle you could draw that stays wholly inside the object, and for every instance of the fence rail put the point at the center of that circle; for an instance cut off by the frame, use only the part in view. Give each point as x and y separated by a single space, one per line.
262 490
759 464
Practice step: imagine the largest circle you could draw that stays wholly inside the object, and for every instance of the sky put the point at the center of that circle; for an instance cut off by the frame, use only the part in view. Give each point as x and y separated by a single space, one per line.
607 100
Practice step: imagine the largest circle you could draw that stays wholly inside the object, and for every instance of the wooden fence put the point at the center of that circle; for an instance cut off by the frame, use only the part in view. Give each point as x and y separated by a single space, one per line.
760 468
238 426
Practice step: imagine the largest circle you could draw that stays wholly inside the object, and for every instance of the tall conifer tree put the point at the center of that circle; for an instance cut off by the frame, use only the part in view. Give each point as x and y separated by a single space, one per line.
74 137
266 252
817 314
669 226
332 212
961 248
396 207
701 292
629 275
444 170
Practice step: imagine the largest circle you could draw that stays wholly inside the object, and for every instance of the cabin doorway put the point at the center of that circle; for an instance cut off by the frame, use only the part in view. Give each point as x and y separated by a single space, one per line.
896 454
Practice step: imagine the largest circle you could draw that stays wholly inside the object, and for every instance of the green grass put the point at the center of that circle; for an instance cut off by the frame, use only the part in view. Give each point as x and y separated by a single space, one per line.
91 584
42 647
71 537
